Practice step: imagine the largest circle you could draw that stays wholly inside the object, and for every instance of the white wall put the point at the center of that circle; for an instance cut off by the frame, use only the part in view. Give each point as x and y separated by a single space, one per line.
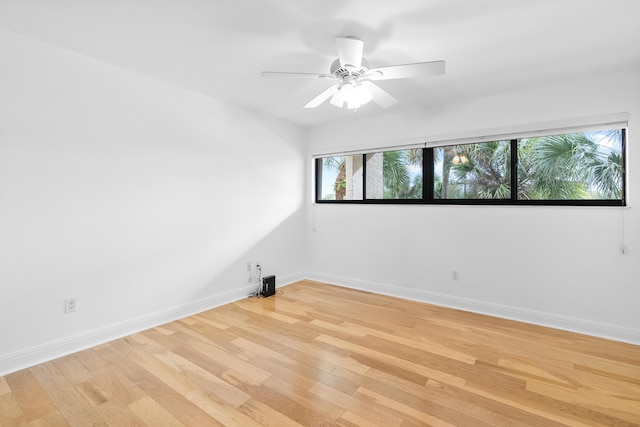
558 266
141 200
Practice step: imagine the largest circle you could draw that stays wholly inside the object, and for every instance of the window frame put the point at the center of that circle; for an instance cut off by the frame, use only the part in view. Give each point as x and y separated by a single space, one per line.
428 175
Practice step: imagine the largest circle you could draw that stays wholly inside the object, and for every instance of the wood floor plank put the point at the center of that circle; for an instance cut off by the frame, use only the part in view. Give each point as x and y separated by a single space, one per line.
54 419
323 355
391 406
4 387
305 364
157 380
317 408
70 403
90 359
119 414
121 387
266 415
73 370
10 412
349 419
231 358
532 406
200 379
593 400
394 361
31 397
94 392
287 404
372 413
292 348
153 414
222 413
448 404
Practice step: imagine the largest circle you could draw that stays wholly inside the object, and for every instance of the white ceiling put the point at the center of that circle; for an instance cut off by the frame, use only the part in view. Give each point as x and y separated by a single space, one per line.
219 47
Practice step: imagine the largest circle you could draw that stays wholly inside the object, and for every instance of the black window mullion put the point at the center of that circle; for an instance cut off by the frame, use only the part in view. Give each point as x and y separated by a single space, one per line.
364 177
624 167
318 165
427 174
514 170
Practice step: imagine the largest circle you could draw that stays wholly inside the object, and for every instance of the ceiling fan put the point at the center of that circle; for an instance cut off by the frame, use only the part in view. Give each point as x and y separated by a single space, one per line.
356 85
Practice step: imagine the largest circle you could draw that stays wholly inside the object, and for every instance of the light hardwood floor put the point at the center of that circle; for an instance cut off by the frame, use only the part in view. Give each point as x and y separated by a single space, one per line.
317 354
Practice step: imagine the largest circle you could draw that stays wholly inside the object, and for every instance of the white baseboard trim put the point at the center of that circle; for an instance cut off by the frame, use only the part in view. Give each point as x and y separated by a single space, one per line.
551 320
26 358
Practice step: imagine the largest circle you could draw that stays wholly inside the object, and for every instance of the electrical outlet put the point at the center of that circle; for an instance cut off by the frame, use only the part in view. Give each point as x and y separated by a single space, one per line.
70 305
454 275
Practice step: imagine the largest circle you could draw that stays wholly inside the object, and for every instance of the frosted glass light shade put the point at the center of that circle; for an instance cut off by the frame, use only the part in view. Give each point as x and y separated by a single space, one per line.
353 94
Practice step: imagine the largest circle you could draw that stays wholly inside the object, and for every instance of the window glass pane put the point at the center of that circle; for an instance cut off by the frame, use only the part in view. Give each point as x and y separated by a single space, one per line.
340 178
395 174
473 171
575 166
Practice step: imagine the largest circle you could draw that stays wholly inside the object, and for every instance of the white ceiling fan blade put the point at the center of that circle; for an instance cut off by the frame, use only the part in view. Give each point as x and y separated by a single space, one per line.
420 69
296 75
350 51
381 96
326 94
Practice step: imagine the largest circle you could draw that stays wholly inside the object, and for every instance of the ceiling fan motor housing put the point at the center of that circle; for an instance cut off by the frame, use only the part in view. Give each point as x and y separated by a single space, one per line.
341 72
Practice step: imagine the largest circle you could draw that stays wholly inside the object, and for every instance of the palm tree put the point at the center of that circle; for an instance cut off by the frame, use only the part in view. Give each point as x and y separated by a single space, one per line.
395 173
340 184
448 153
569 167
607 176
482 171
397 177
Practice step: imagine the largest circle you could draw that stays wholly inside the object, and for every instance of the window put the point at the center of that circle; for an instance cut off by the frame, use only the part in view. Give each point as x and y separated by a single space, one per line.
573 166
577 168
473 171
340 178
395 174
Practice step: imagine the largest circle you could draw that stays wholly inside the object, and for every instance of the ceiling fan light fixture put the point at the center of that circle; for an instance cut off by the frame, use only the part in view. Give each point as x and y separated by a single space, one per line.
353 105
362 93
354 94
